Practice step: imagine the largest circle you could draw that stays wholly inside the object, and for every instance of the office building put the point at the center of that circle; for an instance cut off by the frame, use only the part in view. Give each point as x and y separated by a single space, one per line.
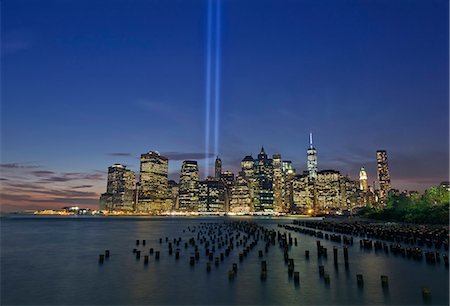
384 180
189 184
363 180
311 160
212 196
153 193
120 189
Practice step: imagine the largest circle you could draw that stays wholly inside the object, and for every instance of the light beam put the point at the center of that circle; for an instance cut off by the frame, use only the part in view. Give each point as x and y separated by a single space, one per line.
208 84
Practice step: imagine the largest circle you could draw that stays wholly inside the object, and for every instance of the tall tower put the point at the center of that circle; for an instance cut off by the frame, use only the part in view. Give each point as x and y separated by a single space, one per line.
263 182
153 181
247 167
278 183
189 184
312 160
119 190
218 168
363 179
384 180
154 171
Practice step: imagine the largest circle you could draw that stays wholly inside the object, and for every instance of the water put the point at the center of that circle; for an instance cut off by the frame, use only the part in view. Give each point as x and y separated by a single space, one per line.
54 261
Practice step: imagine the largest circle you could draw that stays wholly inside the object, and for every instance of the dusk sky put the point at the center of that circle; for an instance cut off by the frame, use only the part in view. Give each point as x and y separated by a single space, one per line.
89 83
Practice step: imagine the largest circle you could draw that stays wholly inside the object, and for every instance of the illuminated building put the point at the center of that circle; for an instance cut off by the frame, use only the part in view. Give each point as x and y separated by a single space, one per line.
311 160
263 184
120 189
228 178
188 190
278 184
247 166
363 180
218 168
384 179
289 175
241 198
153 183
352 195
212 196
173 194
328 190
302 193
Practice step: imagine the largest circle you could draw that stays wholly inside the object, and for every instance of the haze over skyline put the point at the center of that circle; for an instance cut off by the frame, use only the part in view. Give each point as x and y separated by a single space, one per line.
86 84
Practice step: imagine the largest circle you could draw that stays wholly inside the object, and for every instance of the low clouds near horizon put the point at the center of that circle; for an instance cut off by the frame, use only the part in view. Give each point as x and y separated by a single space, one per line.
23 187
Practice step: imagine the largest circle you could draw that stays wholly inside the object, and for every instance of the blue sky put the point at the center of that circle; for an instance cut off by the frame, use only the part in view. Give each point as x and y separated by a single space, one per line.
84 80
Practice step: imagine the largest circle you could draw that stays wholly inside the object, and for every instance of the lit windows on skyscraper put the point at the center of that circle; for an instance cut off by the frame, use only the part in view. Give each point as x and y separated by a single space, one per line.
363 180
120 189
212 196
311 159
188 190
153 193
384 179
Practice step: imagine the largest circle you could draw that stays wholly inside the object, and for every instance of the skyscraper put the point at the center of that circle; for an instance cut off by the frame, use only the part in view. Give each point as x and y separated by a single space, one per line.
153 193
228 178
188 189
218 168
384 180
263 188
241 199
173 194
247 164
212 196
154 170
363 179
278 183
119 190
328 190
312 160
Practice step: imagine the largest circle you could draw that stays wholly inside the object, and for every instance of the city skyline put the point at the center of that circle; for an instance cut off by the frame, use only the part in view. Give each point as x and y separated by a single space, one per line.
264 184
92 91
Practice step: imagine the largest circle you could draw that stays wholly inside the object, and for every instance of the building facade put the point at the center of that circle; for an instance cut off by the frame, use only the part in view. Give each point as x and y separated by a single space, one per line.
120 189
311 154
153 195
241 198
217 168
212 196
384 180
189 186
363 185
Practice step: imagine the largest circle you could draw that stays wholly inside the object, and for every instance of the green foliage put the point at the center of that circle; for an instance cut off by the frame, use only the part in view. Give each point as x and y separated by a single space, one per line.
437 195
432 208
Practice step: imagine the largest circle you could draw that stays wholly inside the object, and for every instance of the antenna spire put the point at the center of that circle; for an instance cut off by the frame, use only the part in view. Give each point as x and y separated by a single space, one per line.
310 140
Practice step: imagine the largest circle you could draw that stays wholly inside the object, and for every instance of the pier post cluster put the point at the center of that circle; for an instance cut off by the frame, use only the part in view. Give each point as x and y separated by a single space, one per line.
215 242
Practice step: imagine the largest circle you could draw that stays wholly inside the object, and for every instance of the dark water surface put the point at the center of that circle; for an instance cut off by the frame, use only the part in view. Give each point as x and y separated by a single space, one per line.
54 261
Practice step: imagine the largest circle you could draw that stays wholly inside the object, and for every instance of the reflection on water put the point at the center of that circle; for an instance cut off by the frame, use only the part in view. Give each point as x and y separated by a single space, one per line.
55 261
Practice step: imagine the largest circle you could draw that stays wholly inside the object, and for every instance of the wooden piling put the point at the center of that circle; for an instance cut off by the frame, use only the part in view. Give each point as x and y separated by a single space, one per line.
384 281
360 280
321 270
297 278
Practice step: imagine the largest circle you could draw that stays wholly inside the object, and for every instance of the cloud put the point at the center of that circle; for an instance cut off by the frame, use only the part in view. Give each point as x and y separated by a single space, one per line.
18 166
73 176
48 188
83 186
119 154
42 173
186 156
